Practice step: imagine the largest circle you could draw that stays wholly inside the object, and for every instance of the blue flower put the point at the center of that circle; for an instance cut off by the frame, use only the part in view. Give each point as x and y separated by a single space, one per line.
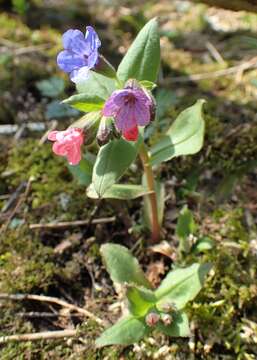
80 53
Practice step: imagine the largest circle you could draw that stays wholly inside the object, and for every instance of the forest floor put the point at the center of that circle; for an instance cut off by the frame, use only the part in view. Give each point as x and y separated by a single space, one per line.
206 53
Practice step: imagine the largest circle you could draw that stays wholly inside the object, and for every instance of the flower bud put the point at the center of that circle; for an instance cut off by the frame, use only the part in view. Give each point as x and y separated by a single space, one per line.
167 307
166 319
105 131
89 123
152 319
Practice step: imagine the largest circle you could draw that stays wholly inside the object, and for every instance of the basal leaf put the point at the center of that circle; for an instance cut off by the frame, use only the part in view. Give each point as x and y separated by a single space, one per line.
112 161
119 191
178 327
140 300
142 60
125 332
182 285
85 102
185 136
122 266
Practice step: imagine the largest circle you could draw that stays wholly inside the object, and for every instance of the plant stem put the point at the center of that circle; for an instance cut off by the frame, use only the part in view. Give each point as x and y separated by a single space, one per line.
145 159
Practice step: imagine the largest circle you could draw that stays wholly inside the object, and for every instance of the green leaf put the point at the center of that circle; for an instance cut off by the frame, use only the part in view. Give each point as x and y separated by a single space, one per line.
119 191
185 136
149 85
142 60
203 244
83 171
165 99
178 327
52 87
160 193
122 266
184 228
112 161
85 102
57 110
140 300
97 85
182 285
125 332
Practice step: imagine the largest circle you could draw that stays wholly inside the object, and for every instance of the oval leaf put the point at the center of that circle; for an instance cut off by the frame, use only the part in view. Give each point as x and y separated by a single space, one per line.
119 191
85 102
125 332
122 266
142 60
140 300
112 161
184 137
182 285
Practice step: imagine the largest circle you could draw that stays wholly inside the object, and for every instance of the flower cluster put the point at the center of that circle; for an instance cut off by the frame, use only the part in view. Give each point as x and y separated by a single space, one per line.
123 112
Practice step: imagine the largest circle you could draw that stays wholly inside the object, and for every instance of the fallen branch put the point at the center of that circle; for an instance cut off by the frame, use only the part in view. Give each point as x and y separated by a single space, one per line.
52 300
38 336
65 224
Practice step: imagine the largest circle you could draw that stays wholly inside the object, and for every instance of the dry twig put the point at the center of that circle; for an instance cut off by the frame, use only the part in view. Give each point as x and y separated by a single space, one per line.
38 336
66 224
52 300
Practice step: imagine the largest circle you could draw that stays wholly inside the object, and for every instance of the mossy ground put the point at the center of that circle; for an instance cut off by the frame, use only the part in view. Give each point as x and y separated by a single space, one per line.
219 184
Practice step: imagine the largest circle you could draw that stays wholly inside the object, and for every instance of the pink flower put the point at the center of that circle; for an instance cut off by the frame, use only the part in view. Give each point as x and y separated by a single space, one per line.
131 107
68 143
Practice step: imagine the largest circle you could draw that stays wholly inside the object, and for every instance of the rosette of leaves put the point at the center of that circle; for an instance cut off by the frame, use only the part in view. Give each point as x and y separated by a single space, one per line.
178 288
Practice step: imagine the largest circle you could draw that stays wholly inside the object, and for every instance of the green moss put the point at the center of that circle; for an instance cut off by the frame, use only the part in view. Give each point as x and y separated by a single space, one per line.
25 264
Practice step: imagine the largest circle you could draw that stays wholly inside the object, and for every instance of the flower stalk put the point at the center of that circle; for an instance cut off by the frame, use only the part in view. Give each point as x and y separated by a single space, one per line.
145 159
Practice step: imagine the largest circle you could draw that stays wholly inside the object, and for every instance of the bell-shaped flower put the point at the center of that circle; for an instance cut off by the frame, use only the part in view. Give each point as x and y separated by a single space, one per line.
130 107
80 53
68 143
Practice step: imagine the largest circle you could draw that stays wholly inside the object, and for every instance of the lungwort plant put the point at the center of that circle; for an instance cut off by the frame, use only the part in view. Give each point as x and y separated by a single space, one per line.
149 309
118 105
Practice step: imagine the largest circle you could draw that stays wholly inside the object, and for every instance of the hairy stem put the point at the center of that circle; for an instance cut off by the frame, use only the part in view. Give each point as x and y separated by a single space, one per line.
145 159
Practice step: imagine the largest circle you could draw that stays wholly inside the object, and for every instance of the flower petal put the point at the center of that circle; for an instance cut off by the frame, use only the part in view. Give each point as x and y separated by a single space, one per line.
69 61
125 118
52 135
92 38
92 59
60 148
74 41
142 113
74 154
79 75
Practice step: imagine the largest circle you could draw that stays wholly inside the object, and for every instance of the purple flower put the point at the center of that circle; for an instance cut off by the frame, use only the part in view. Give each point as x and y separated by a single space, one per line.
130 107
80 53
